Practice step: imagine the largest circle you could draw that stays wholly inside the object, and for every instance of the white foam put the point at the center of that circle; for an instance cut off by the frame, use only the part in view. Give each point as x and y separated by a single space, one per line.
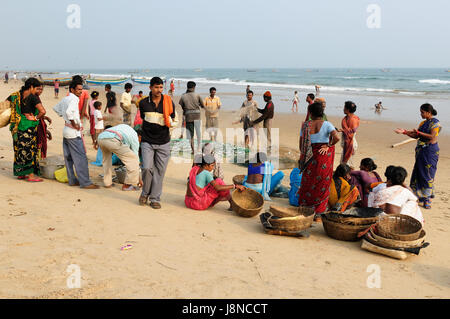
434 81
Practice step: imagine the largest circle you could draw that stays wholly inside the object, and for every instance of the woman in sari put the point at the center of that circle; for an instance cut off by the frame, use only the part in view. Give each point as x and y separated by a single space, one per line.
203 191
317 140
259 176
427 154
26 112
363 178
395 198
350 124
342 194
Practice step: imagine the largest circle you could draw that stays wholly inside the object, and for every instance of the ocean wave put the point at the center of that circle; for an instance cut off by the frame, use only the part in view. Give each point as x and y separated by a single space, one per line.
434 81
283 85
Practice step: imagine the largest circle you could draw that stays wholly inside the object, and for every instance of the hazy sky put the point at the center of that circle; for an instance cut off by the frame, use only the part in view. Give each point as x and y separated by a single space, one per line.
227 33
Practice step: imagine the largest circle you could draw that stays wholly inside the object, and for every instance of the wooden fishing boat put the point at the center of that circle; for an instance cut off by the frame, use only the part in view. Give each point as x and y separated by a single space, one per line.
144 80
62 82
141 81
107 81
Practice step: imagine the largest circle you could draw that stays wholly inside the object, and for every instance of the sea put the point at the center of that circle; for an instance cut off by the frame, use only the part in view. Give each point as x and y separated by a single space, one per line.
401 91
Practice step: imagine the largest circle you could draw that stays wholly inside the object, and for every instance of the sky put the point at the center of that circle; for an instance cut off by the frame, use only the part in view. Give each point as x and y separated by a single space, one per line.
140 34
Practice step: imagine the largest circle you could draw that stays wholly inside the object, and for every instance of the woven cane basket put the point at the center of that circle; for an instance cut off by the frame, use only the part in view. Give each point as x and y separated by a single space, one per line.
399 227
247 203
342 231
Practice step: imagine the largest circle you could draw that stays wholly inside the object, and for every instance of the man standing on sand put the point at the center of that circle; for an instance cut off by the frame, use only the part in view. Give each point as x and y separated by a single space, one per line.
191 103
172 89
111 101
73 146
82 105
158 114
6 77
212 107
125 104
248 113
267 117
310 100
317 90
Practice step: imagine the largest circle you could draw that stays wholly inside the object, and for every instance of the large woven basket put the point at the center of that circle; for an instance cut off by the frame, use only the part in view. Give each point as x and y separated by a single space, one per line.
376 239
291 219
4 105
282 211
342 231
399 227
247 203
238 179
350 220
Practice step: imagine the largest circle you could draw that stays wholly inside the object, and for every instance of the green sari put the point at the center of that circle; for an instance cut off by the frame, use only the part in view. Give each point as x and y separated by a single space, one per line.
24 134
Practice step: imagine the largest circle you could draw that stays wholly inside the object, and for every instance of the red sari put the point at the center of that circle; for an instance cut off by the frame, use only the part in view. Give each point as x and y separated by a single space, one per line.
206 197
316 179
349 126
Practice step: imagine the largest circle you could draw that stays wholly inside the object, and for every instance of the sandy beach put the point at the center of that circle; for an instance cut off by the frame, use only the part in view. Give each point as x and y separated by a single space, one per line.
180 253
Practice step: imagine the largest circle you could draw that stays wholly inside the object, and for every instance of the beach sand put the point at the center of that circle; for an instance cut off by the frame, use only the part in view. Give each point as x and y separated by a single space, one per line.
181 253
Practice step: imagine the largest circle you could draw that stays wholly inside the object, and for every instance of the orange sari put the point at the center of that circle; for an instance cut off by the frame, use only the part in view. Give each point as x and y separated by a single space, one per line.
349 126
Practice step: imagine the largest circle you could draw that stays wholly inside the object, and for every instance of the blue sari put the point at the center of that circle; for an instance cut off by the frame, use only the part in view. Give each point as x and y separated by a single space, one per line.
427 156
269 182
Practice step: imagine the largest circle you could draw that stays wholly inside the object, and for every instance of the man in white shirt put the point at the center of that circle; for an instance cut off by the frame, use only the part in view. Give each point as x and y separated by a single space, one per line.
73 146
125 104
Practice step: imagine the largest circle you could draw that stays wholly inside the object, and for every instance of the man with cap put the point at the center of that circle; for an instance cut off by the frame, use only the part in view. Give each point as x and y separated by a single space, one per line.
267 117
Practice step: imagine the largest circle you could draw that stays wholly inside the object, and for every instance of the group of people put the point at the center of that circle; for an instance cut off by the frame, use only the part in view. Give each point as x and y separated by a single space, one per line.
324 189
145 147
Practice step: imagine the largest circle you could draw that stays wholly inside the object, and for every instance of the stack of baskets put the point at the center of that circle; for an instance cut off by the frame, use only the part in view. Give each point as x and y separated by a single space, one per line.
346 226
247 203
288 221
395 236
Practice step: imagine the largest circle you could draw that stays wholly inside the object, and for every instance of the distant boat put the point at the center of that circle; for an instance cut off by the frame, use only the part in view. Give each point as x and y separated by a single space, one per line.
198 70
144 80
141 81
107 81
251 70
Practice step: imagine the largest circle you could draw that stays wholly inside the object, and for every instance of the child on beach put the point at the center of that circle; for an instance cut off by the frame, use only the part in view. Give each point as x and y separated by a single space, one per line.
295 102
56 84
94 98
99 125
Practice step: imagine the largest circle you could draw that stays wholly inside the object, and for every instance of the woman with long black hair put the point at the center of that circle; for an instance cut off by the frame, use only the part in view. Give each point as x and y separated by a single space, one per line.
26 112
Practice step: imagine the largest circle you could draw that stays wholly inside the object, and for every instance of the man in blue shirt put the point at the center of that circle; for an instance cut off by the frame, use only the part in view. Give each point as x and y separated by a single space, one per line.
123 141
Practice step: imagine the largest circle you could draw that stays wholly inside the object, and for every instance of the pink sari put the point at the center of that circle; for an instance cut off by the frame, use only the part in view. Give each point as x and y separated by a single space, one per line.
206 197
